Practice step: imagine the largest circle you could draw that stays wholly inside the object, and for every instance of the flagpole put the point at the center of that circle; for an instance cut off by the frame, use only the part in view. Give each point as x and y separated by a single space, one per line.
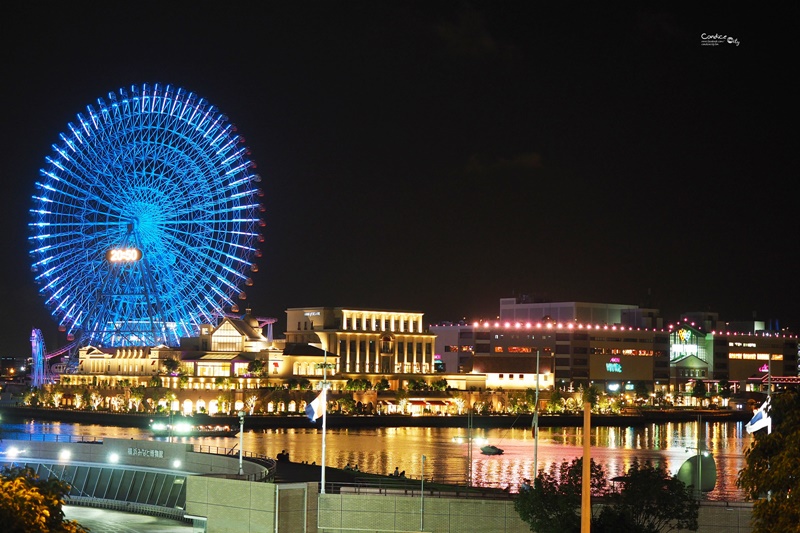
536 423
324 416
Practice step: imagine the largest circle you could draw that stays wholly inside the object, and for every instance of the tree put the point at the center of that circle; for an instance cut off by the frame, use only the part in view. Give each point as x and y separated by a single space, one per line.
651 500
725 388
556 403
772 472
250 403
590 394
699 390
171 365
552 504
346 405
440 385
417 385
641 390
136 396
358 384
255 367
29 504
96 399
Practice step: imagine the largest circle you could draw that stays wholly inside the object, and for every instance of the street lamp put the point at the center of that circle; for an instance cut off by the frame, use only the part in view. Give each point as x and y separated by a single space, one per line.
241 439
422 496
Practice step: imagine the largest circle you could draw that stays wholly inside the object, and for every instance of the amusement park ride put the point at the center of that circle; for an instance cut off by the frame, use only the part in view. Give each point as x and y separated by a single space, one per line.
146 223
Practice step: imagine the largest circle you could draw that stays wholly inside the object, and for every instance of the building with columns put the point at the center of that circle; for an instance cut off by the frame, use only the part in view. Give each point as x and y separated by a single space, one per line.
366 341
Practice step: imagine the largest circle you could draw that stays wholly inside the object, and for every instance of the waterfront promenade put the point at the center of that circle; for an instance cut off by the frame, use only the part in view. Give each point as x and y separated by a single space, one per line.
110 521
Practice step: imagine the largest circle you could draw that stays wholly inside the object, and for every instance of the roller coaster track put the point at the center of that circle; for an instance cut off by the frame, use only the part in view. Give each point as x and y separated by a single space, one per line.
42 373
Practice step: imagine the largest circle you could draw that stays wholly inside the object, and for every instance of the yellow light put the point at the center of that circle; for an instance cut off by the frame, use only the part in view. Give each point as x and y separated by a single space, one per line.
182 427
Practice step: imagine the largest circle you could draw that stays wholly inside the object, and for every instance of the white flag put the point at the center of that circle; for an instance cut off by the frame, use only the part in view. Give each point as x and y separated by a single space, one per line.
760 420
316 408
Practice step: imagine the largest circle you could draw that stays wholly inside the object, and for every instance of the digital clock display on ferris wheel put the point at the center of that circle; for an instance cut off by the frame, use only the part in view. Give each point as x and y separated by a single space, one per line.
123 255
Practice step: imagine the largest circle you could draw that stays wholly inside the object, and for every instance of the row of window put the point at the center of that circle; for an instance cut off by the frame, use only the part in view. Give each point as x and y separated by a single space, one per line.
357 324
691 373
756 356
386 346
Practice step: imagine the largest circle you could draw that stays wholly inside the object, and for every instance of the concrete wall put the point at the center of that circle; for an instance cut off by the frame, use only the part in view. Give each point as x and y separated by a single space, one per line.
242 507
402 513
233 506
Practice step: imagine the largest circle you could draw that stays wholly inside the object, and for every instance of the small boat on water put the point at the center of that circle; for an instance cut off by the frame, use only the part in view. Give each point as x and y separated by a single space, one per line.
489 449
187 429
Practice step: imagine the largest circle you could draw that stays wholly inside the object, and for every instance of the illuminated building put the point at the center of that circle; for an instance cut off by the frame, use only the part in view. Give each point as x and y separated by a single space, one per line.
366 341
630 345
612 357
742 354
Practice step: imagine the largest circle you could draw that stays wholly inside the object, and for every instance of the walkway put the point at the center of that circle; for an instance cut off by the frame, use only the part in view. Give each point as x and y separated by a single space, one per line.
106 521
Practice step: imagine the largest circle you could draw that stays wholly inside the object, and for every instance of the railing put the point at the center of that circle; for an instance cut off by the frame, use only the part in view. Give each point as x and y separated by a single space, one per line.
174 513
50 437
270 464
413 487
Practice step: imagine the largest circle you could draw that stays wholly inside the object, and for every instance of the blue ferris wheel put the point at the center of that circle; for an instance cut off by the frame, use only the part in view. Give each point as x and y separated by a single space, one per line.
146 220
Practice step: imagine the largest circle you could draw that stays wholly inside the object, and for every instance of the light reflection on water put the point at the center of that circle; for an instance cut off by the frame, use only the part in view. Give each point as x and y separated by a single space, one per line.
380 450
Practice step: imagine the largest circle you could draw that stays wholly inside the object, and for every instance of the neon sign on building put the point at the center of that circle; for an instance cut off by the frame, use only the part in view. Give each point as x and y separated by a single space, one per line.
686 344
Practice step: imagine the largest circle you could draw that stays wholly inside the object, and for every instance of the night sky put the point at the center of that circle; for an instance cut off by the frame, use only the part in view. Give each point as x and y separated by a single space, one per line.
438 156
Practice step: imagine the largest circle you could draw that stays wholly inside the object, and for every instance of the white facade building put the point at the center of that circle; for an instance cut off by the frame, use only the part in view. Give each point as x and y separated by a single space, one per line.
366 341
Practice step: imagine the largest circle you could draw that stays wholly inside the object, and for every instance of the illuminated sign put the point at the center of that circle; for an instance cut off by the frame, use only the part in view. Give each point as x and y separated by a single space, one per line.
764 368
311 313
614 367
123 255
146 452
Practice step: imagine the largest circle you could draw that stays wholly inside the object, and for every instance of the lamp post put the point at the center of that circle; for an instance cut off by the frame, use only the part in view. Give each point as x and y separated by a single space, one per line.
422 496
241 439
469 446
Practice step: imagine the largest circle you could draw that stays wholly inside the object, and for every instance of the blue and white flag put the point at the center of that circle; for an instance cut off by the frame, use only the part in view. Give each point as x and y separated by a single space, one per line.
316 408
760 420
